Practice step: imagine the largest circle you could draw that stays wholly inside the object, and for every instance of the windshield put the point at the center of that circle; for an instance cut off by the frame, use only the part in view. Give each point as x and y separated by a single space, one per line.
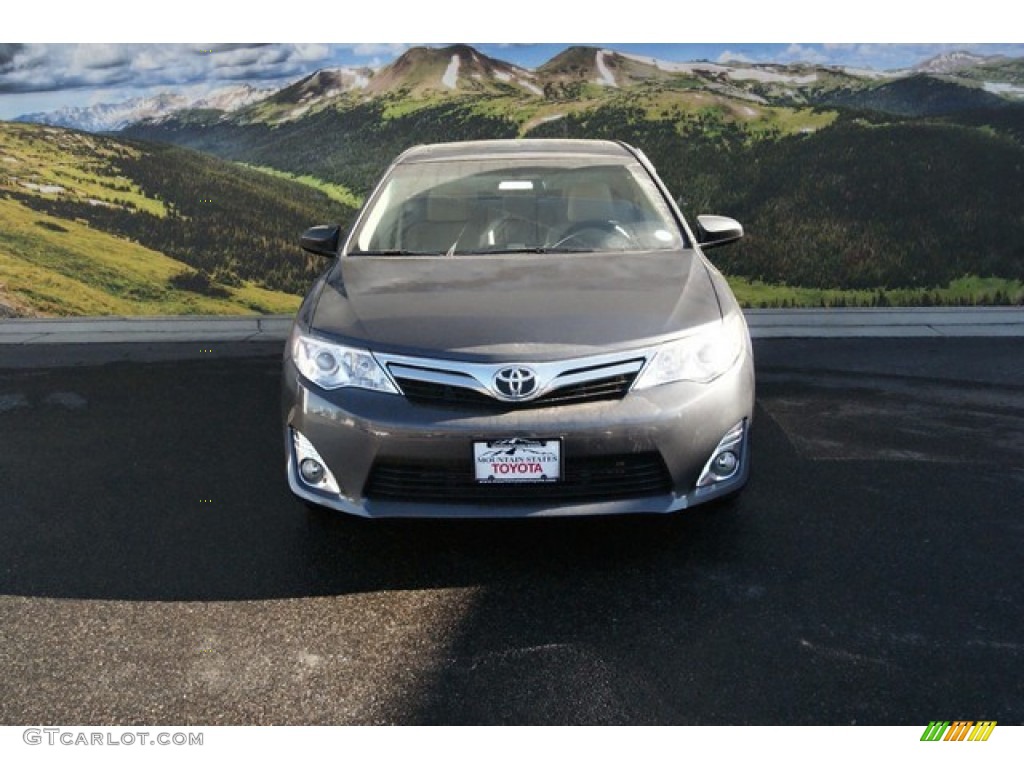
539 205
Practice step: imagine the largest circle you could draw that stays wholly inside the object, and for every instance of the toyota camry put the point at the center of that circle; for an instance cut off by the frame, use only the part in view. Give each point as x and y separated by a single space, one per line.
518 328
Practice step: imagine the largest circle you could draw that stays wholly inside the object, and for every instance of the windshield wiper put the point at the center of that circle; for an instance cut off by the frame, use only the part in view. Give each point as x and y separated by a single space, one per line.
539 249
475 252
392 252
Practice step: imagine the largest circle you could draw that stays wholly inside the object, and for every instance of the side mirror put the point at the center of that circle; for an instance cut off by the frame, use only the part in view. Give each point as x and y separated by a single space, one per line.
322 240
713 231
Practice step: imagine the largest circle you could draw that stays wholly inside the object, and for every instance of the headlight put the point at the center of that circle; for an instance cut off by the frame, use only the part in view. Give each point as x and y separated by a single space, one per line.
701 357
332 366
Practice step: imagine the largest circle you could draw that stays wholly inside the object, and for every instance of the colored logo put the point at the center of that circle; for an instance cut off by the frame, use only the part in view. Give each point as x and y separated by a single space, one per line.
958 730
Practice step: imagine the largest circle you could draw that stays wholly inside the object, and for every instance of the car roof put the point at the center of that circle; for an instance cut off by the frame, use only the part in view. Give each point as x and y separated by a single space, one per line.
496 148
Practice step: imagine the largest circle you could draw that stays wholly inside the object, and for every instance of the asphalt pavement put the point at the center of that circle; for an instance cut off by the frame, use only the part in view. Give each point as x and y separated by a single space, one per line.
154 568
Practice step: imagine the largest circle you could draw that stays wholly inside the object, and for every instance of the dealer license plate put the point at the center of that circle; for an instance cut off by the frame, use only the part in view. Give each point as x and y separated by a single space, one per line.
518 460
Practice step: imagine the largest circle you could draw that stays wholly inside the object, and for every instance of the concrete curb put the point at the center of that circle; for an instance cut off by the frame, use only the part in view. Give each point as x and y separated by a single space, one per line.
886 322
764 323
121 330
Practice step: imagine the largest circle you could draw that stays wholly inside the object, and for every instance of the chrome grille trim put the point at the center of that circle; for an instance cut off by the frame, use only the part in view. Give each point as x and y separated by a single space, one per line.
478 377
433 376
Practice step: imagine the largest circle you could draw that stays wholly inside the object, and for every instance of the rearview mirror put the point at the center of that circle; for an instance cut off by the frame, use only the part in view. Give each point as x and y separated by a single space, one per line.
322 240
713 231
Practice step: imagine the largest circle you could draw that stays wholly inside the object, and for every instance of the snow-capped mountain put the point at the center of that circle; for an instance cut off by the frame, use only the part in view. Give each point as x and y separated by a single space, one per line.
954 61
114 117
460 72
323 84
613 69
109 117
447 70
232 97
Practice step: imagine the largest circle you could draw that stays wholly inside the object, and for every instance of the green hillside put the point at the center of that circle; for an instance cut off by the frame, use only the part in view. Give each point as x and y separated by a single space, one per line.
856 205
852 189
915 96
52 266
831 199
94 225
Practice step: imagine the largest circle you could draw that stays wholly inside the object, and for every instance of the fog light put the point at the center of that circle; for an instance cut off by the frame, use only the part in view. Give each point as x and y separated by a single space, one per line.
725 463
312 471
726 459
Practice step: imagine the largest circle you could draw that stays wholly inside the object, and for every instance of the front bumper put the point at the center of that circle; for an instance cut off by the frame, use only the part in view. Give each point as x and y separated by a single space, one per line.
355 430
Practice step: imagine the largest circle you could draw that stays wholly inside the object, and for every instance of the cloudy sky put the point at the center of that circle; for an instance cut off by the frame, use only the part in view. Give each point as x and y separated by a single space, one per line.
41 77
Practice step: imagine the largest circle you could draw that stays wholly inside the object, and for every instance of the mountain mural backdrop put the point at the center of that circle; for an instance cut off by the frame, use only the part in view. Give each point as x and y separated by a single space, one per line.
856 187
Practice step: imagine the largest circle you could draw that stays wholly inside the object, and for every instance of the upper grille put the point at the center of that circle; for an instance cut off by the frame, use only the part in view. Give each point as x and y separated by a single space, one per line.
608 388
587 478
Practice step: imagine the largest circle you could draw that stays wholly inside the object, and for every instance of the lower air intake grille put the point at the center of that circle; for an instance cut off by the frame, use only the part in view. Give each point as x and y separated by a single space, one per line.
585 479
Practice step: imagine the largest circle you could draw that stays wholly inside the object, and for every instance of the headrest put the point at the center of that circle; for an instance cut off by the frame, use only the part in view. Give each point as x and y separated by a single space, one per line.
445 208
588 201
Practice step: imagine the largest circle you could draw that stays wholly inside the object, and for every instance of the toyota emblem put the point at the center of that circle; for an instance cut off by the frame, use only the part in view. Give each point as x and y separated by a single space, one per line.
515 383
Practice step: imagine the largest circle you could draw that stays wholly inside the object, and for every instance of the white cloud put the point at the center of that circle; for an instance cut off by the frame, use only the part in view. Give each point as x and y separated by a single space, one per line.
41 67
808 54
379 49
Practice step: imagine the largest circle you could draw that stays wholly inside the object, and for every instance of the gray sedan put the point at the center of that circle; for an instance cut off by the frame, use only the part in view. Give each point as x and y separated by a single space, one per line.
518 328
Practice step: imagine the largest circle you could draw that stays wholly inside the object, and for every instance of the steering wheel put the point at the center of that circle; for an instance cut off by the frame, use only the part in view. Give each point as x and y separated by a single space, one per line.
607 228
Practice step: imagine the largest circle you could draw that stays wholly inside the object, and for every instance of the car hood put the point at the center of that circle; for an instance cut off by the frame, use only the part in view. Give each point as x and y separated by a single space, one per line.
509 307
